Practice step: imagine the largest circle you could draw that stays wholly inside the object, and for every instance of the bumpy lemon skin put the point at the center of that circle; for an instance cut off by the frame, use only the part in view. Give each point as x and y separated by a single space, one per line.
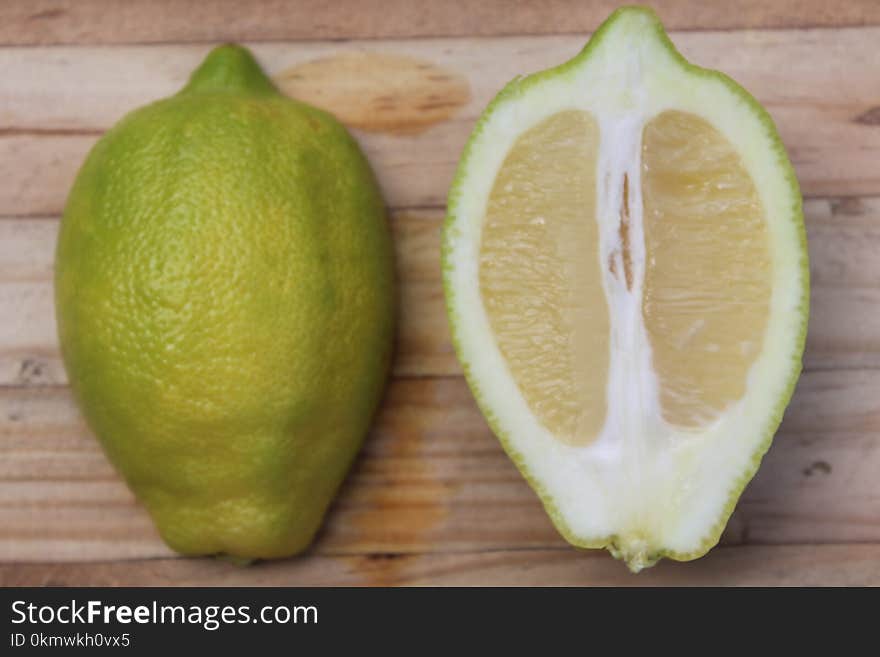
451 232
225 303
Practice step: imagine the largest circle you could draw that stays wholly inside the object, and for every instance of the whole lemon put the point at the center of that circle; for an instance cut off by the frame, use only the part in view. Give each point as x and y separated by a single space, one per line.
224 295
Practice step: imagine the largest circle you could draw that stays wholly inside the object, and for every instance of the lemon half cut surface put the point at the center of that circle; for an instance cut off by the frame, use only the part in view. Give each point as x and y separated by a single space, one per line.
626 277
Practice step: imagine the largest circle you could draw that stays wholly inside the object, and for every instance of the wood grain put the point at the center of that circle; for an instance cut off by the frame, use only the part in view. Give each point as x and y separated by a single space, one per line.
55 102
433 478
108 21
807 565
844 238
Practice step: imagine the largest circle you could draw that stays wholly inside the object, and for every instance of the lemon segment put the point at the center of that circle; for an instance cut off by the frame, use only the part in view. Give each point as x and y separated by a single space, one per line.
540 278
707 280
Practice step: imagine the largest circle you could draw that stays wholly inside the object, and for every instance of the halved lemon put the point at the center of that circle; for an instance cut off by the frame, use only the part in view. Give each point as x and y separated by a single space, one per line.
626 276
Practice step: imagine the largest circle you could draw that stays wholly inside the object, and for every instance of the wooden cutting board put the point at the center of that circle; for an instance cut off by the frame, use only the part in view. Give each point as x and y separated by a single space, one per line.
432 499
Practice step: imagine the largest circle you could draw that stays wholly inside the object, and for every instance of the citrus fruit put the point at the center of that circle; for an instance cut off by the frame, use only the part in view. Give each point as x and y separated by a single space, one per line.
224 295
626 277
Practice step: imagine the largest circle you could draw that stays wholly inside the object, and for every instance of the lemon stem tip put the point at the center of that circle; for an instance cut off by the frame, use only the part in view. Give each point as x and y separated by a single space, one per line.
230 67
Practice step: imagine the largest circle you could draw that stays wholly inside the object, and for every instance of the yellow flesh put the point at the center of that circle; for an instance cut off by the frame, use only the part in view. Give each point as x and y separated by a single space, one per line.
540 279
706 291
707 274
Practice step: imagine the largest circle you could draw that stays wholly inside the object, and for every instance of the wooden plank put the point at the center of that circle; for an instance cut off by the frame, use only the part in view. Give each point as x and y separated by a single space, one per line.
432 478
784 565
54 102
105 21
844 240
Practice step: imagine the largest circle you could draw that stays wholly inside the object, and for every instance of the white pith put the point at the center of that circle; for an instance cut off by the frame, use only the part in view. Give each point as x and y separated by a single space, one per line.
649 486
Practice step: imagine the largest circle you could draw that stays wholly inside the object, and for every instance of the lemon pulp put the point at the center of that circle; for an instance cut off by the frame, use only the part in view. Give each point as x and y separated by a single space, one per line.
707 280
705 292
540 278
